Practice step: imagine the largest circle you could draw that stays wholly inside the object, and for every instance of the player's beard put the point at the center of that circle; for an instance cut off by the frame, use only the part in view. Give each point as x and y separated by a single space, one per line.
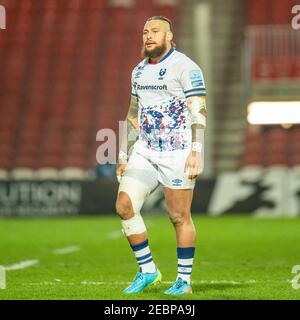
154 53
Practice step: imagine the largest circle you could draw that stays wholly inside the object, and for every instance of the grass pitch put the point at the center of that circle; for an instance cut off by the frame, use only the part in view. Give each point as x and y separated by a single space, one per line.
237 257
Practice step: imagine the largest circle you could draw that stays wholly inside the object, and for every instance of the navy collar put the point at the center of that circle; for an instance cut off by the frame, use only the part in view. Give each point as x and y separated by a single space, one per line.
164 57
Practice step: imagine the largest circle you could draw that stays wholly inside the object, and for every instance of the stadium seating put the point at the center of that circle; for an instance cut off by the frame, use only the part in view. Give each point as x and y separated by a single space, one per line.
274 57
65 74
276 53
266 12
272 146
294 147
253 149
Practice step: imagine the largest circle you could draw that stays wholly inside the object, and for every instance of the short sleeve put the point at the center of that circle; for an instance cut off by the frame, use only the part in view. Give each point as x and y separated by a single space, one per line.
133 85
192 79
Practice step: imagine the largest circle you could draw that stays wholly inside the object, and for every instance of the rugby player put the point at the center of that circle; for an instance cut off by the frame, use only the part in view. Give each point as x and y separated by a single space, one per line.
168 111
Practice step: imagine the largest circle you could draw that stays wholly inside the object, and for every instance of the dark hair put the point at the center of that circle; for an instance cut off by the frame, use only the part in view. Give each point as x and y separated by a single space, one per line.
162 18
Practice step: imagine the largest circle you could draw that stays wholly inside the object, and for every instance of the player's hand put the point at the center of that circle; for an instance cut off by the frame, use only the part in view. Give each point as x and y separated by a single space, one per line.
193 165
120 170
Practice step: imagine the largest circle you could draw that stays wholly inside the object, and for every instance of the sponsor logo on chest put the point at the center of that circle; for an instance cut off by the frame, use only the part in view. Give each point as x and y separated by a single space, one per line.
145 81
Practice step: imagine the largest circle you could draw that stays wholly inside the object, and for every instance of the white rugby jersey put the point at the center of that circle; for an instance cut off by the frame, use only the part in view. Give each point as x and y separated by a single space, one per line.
162 90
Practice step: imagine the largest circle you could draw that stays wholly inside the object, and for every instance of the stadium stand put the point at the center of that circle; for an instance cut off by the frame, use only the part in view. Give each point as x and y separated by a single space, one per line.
274 64
264 12
272 146
63 78
65 74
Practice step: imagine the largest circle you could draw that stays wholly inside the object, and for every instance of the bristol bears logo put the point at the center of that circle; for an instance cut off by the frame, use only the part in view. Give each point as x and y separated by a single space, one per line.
162 72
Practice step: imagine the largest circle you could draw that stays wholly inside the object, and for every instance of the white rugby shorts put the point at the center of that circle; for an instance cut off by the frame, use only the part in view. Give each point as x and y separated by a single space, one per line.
154 167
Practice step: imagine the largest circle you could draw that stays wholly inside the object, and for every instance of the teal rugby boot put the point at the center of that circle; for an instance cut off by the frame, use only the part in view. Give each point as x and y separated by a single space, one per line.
179 287
143 280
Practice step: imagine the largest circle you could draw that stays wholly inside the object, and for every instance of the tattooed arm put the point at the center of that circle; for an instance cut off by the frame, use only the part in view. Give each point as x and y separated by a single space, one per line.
129 135
198 113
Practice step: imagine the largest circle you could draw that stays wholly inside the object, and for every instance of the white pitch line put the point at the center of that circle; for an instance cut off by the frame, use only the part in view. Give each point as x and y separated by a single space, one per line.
115 234
171 282
66 250
121 283
224 282
115 282
22 265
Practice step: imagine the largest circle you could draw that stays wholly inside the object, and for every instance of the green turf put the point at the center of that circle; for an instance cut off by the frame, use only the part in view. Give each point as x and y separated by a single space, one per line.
237 257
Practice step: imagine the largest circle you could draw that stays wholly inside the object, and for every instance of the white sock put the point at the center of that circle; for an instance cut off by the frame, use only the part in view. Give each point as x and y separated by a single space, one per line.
144 257
185 263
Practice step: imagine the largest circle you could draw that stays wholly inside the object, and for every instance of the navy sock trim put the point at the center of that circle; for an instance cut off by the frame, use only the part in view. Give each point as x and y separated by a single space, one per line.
185 266
144 257
185 253
147 261
185 273
140 246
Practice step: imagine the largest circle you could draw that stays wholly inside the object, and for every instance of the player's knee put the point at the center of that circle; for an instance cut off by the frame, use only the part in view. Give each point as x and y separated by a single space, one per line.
179 218
124 206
